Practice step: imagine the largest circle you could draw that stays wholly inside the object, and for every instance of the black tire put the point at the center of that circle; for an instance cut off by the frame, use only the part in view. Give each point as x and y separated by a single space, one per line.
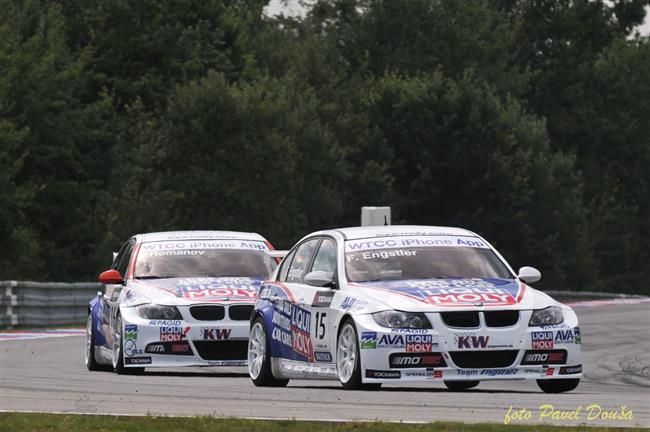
265 376
89 357
558 385
118 363
461 385
355 380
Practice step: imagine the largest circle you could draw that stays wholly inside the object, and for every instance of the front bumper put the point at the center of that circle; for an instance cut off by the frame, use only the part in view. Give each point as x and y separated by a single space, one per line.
185 342
464 354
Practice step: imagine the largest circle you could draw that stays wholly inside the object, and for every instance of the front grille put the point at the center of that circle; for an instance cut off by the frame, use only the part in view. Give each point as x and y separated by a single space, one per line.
501 318
222 350
207 313
460 319
240 312
483 359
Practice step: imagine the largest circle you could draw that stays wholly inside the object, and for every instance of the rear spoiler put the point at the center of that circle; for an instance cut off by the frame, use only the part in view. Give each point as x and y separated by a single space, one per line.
278 253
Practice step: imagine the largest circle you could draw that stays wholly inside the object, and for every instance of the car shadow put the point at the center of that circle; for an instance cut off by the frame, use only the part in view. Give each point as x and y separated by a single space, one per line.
197 374
420 390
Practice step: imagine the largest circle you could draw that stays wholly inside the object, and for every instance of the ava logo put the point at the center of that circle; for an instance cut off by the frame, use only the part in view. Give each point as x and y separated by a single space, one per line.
391 341
130 332
473 341
368 340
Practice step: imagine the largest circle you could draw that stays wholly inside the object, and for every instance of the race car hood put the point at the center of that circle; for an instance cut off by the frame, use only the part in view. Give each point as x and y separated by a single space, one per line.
184 291
435 295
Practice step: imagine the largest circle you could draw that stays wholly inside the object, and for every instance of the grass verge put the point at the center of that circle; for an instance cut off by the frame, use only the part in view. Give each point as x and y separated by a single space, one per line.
73 422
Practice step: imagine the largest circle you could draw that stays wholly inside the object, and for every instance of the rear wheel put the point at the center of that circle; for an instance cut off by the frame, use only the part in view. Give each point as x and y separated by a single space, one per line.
558 385
89 355
259 358
348 359
461 385
118 350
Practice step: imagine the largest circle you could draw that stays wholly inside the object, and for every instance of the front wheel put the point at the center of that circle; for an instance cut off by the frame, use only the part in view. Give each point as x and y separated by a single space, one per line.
259 358
558 385
89 355
460 385
118 350
348 359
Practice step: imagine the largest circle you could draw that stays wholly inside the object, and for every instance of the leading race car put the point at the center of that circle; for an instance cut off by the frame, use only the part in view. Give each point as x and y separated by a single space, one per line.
389 304
177 299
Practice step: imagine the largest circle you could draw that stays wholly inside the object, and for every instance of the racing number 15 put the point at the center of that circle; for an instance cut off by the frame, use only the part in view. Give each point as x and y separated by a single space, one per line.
320 325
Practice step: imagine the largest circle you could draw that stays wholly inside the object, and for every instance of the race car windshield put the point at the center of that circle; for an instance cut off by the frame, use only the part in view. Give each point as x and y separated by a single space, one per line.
407 258
155 264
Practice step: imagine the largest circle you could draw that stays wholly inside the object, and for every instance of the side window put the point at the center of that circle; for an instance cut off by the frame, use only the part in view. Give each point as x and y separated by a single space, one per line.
325 259
123 260
301 260
286 263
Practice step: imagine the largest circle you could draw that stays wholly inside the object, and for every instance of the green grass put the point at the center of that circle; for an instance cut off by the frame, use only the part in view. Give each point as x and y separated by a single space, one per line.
72 422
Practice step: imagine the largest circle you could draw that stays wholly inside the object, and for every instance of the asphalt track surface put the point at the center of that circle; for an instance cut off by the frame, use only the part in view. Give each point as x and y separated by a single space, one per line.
48 375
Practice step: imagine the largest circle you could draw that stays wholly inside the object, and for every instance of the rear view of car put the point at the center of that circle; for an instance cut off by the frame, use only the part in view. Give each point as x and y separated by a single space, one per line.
177 299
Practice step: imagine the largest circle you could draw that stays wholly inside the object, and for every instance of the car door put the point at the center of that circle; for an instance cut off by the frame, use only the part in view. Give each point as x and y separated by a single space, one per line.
300 310
322 335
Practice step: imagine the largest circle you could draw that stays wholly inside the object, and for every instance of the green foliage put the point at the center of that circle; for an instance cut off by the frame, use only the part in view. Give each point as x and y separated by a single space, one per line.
524 121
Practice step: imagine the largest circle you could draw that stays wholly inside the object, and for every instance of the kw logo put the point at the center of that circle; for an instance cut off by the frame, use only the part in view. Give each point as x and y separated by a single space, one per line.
216 334
473 341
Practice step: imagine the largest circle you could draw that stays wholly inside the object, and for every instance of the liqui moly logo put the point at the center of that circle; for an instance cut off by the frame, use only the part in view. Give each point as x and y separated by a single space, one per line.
462 296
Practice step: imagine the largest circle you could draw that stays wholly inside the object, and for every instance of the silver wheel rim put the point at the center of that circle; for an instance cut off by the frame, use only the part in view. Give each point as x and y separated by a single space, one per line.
346 353
117 342
89 336
256 350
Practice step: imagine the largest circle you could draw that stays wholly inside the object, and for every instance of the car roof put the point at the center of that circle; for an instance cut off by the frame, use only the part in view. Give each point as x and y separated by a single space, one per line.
198 235
354 233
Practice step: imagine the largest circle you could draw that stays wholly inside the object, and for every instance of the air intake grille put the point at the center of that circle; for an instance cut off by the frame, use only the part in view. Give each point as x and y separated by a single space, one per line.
222 350
501 318
240 312
460 319
483 359
207 313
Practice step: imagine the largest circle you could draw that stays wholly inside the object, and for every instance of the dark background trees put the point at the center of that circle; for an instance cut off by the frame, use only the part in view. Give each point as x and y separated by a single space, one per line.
526 121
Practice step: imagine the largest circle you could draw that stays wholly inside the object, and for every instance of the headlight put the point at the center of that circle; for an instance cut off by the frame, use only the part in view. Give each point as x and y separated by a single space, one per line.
154 311
397 319
550 315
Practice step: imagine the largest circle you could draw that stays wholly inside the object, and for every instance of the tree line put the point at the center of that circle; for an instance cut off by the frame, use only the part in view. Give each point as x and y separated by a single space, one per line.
525 121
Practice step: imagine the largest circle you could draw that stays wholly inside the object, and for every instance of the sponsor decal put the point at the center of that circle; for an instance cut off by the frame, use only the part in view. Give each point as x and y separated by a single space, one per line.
281 321
131 349
410 331
227 363
544 357
416 360
535 371
368 340
415 241
395 341
130 332
137 360
173 333
418 343
549 371
323 356
568 336
216 333
300 328
570 370
542 340
201 245
224 289
173 348
352 304
175 323
437 374
383 374
488 372
471 341
322 299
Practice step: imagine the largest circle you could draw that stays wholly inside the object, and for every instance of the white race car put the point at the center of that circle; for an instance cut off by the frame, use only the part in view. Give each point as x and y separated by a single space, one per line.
177 299
389 304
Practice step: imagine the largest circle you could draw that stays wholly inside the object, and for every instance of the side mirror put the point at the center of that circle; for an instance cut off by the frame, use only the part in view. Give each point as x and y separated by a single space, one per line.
111 277
529 274
319 279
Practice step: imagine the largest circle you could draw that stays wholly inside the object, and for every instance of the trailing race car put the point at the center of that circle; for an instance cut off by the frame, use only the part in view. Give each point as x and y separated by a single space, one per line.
177 299
388 304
